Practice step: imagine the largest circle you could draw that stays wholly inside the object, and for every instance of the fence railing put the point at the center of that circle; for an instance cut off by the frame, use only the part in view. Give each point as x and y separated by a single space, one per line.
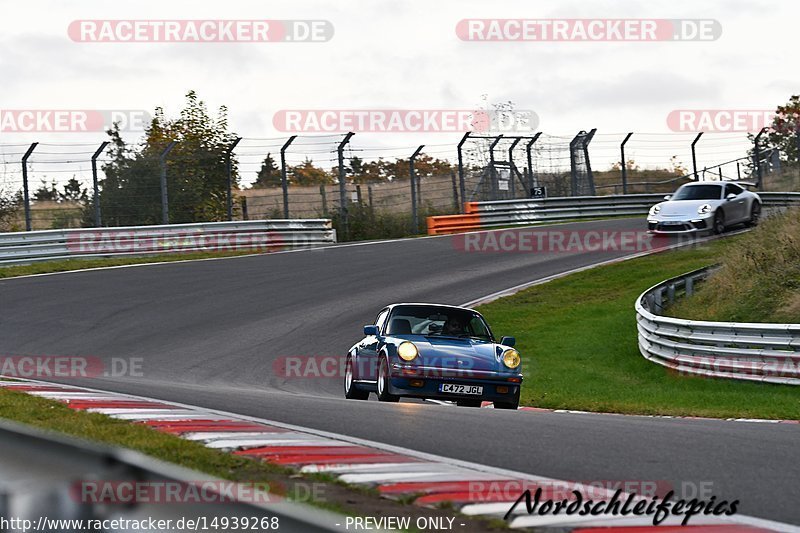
748 351
537 211
258 235
55 478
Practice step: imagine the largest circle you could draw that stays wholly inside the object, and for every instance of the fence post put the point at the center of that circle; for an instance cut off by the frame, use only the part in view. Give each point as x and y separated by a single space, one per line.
694 156
797 142
492 173
512 168
589 172
343 183
573 165
164 193
461 183
96 197
413 177
323 193
531 182
455 190
369 194
229 167
25 191
758 159
245 215
624 164
284 178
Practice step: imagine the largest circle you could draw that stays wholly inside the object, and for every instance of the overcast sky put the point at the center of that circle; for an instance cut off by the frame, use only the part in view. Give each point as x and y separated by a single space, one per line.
404 54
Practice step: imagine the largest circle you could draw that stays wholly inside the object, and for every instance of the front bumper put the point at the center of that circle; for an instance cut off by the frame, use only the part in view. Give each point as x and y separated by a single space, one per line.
676 225
425 382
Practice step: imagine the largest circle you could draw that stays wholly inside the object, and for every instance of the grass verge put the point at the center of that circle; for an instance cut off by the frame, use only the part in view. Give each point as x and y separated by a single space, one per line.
578 339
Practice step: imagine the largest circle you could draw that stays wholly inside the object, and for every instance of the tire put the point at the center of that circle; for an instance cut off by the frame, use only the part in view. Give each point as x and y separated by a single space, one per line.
719 222
350 390
383 383
468 403
755 215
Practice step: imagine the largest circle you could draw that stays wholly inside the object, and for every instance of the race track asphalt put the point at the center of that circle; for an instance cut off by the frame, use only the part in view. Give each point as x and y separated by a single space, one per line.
212 334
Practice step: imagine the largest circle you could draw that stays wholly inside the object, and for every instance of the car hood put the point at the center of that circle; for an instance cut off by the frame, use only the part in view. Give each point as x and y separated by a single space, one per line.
684 207
458 353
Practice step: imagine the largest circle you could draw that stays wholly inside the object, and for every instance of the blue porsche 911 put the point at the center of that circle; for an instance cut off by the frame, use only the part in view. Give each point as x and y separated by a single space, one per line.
437 352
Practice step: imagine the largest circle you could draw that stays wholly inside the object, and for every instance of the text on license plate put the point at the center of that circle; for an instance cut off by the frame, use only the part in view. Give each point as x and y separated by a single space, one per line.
454 388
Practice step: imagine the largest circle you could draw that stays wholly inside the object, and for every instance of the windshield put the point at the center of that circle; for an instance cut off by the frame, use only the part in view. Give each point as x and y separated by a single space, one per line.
437 321
698 192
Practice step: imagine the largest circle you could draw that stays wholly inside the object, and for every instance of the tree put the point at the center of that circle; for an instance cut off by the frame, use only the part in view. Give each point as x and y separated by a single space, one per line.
307 174
46 192
73 192
10 204
269 175
196 169
784 131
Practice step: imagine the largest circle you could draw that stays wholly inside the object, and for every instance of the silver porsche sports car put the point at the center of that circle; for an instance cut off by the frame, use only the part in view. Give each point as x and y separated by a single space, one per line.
705 206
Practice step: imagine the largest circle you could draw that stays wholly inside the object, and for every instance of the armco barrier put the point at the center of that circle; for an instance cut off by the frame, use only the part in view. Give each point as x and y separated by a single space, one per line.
257 235
47 478
747 351
538 211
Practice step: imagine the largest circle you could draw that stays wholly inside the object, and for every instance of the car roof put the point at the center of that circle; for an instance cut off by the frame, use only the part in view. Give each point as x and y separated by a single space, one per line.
392 306
697 183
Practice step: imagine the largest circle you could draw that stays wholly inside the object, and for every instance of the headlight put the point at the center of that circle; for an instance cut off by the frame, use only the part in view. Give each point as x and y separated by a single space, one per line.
703 209
654 210
407 351
511 358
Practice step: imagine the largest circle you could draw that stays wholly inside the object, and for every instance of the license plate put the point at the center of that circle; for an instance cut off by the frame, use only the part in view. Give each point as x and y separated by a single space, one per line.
453 388
672 223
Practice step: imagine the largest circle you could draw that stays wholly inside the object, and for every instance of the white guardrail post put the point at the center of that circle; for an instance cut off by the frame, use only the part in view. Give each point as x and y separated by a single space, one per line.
748 351
533 211
132 241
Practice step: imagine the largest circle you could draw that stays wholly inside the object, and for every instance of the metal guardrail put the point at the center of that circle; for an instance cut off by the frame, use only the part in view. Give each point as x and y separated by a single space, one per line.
538 211
131 241
45 475
748 351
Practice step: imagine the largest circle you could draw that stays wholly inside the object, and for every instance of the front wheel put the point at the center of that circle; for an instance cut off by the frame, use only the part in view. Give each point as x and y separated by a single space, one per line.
350 390
719 222
383 383
755 215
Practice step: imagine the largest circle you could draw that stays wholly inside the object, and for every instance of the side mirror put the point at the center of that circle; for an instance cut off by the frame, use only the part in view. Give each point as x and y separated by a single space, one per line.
667 197
730 197
371 330
508 341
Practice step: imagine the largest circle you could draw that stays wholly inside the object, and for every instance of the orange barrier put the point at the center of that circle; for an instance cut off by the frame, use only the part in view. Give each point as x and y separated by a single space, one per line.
444 224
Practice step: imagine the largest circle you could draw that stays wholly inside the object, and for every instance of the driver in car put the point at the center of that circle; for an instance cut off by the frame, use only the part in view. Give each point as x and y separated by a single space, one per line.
453 327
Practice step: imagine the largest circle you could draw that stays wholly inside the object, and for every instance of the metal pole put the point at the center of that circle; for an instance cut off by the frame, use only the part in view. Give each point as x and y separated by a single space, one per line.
758 158
492 174
230 176
797 141
624 164
573 164
531 182
343 182
694 156
461 183
413 175
164 193
720 173
738 171
589 173
97 219
511 167
25 194
284 178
